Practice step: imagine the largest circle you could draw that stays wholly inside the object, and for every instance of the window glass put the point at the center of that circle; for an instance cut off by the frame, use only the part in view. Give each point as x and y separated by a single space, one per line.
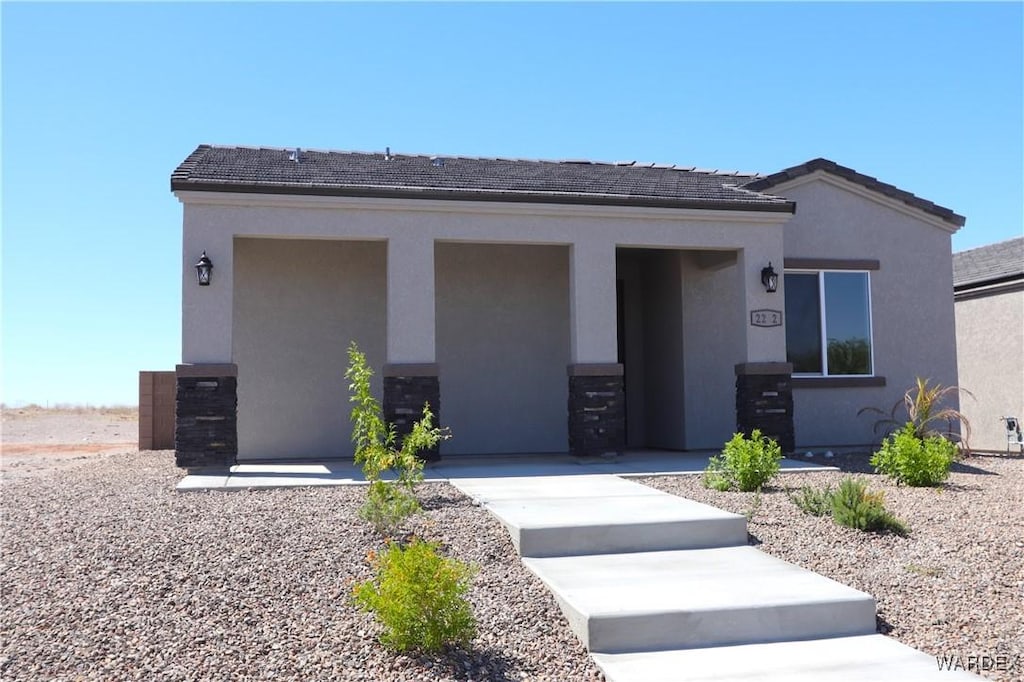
803 323
847 322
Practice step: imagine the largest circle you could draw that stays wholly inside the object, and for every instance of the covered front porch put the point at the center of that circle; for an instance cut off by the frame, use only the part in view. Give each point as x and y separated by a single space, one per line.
561 330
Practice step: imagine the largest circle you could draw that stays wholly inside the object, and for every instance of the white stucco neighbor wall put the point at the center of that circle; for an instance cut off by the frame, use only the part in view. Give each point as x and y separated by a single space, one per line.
297 306
990 352
911 295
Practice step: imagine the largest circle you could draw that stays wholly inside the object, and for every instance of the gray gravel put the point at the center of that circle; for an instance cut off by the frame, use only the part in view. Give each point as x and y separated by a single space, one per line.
108 574
954 586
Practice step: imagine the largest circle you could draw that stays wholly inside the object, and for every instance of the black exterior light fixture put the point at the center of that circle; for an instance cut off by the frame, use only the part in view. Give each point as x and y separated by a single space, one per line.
770 278
203 269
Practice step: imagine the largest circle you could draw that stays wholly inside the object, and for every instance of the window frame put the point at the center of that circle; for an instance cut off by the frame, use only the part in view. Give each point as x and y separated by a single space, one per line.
822 318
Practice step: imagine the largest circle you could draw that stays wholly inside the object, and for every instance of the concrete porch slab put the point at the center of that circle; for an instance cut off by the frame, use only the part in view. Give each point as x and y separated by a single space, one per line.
297 473
652 601
570 516
865 658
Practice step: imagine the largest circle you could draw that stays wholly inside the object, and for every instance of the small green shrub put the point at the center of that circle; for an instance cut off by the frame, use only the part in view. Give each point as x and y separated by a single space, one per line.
419 597
387 504
813 501
854 507
906 458
745 464
923 407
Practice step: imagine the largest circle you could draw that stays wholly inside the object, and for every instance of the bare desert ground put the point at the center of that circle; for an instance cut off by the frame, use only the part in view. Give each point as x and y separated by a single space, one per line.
36 440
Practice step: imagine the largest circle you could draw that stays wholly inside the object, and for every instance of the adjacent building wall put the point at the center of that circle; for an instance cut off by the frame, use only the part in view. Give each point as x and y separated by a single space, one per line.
157 391
911 301
990 351
297 306
503 346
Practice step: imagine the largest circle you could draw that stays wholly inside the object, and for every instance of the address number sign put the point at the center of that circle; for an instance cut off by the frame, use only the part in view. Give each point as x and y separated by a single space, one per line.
766 318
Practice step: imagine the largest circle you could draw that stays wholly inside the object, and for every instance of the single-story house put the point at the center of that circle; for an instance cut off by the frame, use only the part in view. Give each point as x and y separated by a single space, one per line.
549 307
988 286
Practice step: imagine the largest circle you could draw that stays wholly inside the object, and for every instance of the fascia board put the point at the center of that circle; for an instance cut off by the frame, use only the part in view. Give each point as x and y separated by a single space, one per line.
255 200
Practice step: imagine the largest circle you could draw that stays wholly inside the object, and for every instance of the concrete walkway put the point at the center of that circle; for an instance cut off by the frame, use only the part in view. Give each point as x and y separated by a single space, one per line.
344 472
658 587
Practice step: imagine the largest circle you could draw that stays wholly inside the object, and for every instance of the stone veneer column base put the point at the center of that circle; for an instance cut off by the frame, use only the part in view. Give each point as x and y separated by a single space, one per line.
764 400
406 388
206 416
597 409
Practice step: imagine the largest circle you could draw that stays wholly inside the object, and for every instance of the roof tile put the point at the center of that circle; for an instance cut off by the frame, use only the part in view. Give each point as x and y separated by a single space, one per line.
989 264
261 169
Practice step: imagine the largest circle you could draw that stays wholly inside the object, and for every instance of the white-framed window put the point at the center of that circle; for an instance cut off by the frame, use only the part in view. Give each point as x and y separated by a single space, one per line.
828 322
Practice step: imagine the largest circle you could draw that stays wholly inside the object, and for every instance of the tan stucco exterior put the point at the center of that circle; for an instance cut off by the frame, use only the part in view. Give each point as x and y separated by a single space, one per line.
911 315
990 352
419 281
502 297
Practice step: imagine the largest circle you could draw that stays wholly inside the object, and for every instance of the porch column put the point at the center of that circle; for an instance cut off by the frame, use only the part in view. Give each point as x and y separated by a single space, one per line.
410 376
764 389
597 416
205 428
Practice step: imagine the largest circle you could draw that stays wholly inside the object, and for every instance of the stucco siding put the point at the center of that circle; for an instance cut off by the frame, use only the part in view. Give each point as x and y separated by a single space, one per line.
913 328
990 351
503 347
713 342
297 305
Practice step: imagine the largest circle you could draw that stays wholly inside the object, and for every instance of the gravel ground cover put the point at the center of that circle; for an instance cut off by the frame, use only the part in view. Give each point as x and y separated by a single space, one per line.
108 574
953 587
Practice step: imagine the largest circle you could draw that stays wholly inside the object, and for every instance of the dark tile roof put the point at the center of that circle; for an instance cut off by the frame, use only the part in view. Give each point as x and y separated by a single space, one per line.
266 170
767 182
991 264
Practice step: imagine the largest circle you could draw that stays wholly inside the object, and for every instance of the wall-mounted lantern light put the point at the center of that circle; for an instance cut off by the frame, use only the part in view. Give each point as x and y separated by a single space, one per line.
770 278
203 269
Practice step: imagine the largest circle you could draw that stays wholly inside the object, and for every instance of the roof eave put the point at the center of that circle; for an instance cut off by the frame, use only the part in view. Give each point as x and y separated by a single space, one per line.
885 189
178 184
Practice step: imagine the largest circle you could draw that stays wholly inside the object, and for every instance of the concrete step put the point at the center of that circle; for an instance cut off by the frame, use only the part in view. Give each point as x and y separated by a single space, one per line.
648 601
599 514
866 658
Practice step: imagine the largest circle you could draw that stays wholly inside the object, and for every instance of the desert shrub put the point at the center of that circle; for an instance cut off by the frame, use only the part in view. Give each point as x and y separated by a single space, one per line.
387 506
854 506
388 503
922 405
907 458
419 597
745 463
813 501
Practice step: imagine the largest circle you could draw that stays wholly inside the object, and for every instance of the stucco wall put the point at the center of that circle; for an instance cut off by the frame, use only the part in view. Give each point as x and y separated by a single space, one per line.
503 347
297 305
990 351
583 239
713 347
911 297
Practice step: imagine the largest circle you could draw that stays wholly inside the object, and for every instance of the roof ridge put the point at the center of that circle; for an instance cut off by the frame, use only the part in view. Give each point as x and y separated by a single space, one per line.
1001 242
564 161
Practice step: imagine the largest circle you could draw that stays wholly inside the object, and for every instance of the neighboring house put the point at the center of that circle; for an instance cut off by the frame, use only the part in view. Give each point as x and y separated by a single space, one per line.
546 307
988 286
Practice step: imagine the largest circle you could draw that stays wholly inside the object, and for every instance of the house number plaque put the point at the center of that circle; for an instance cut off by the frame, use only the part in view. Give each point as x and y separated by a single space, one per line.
766 318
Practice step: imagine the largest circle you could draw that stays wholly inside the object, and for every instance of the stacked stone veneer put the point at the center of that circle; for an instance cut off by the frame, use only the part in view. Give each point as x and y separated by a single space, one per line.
206 422
764 400
597 409
406 388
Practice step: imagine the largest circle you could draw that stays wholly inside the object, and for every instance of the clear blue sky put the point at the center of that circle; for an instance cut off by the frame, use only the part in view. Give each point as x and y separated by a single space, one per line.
101 102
